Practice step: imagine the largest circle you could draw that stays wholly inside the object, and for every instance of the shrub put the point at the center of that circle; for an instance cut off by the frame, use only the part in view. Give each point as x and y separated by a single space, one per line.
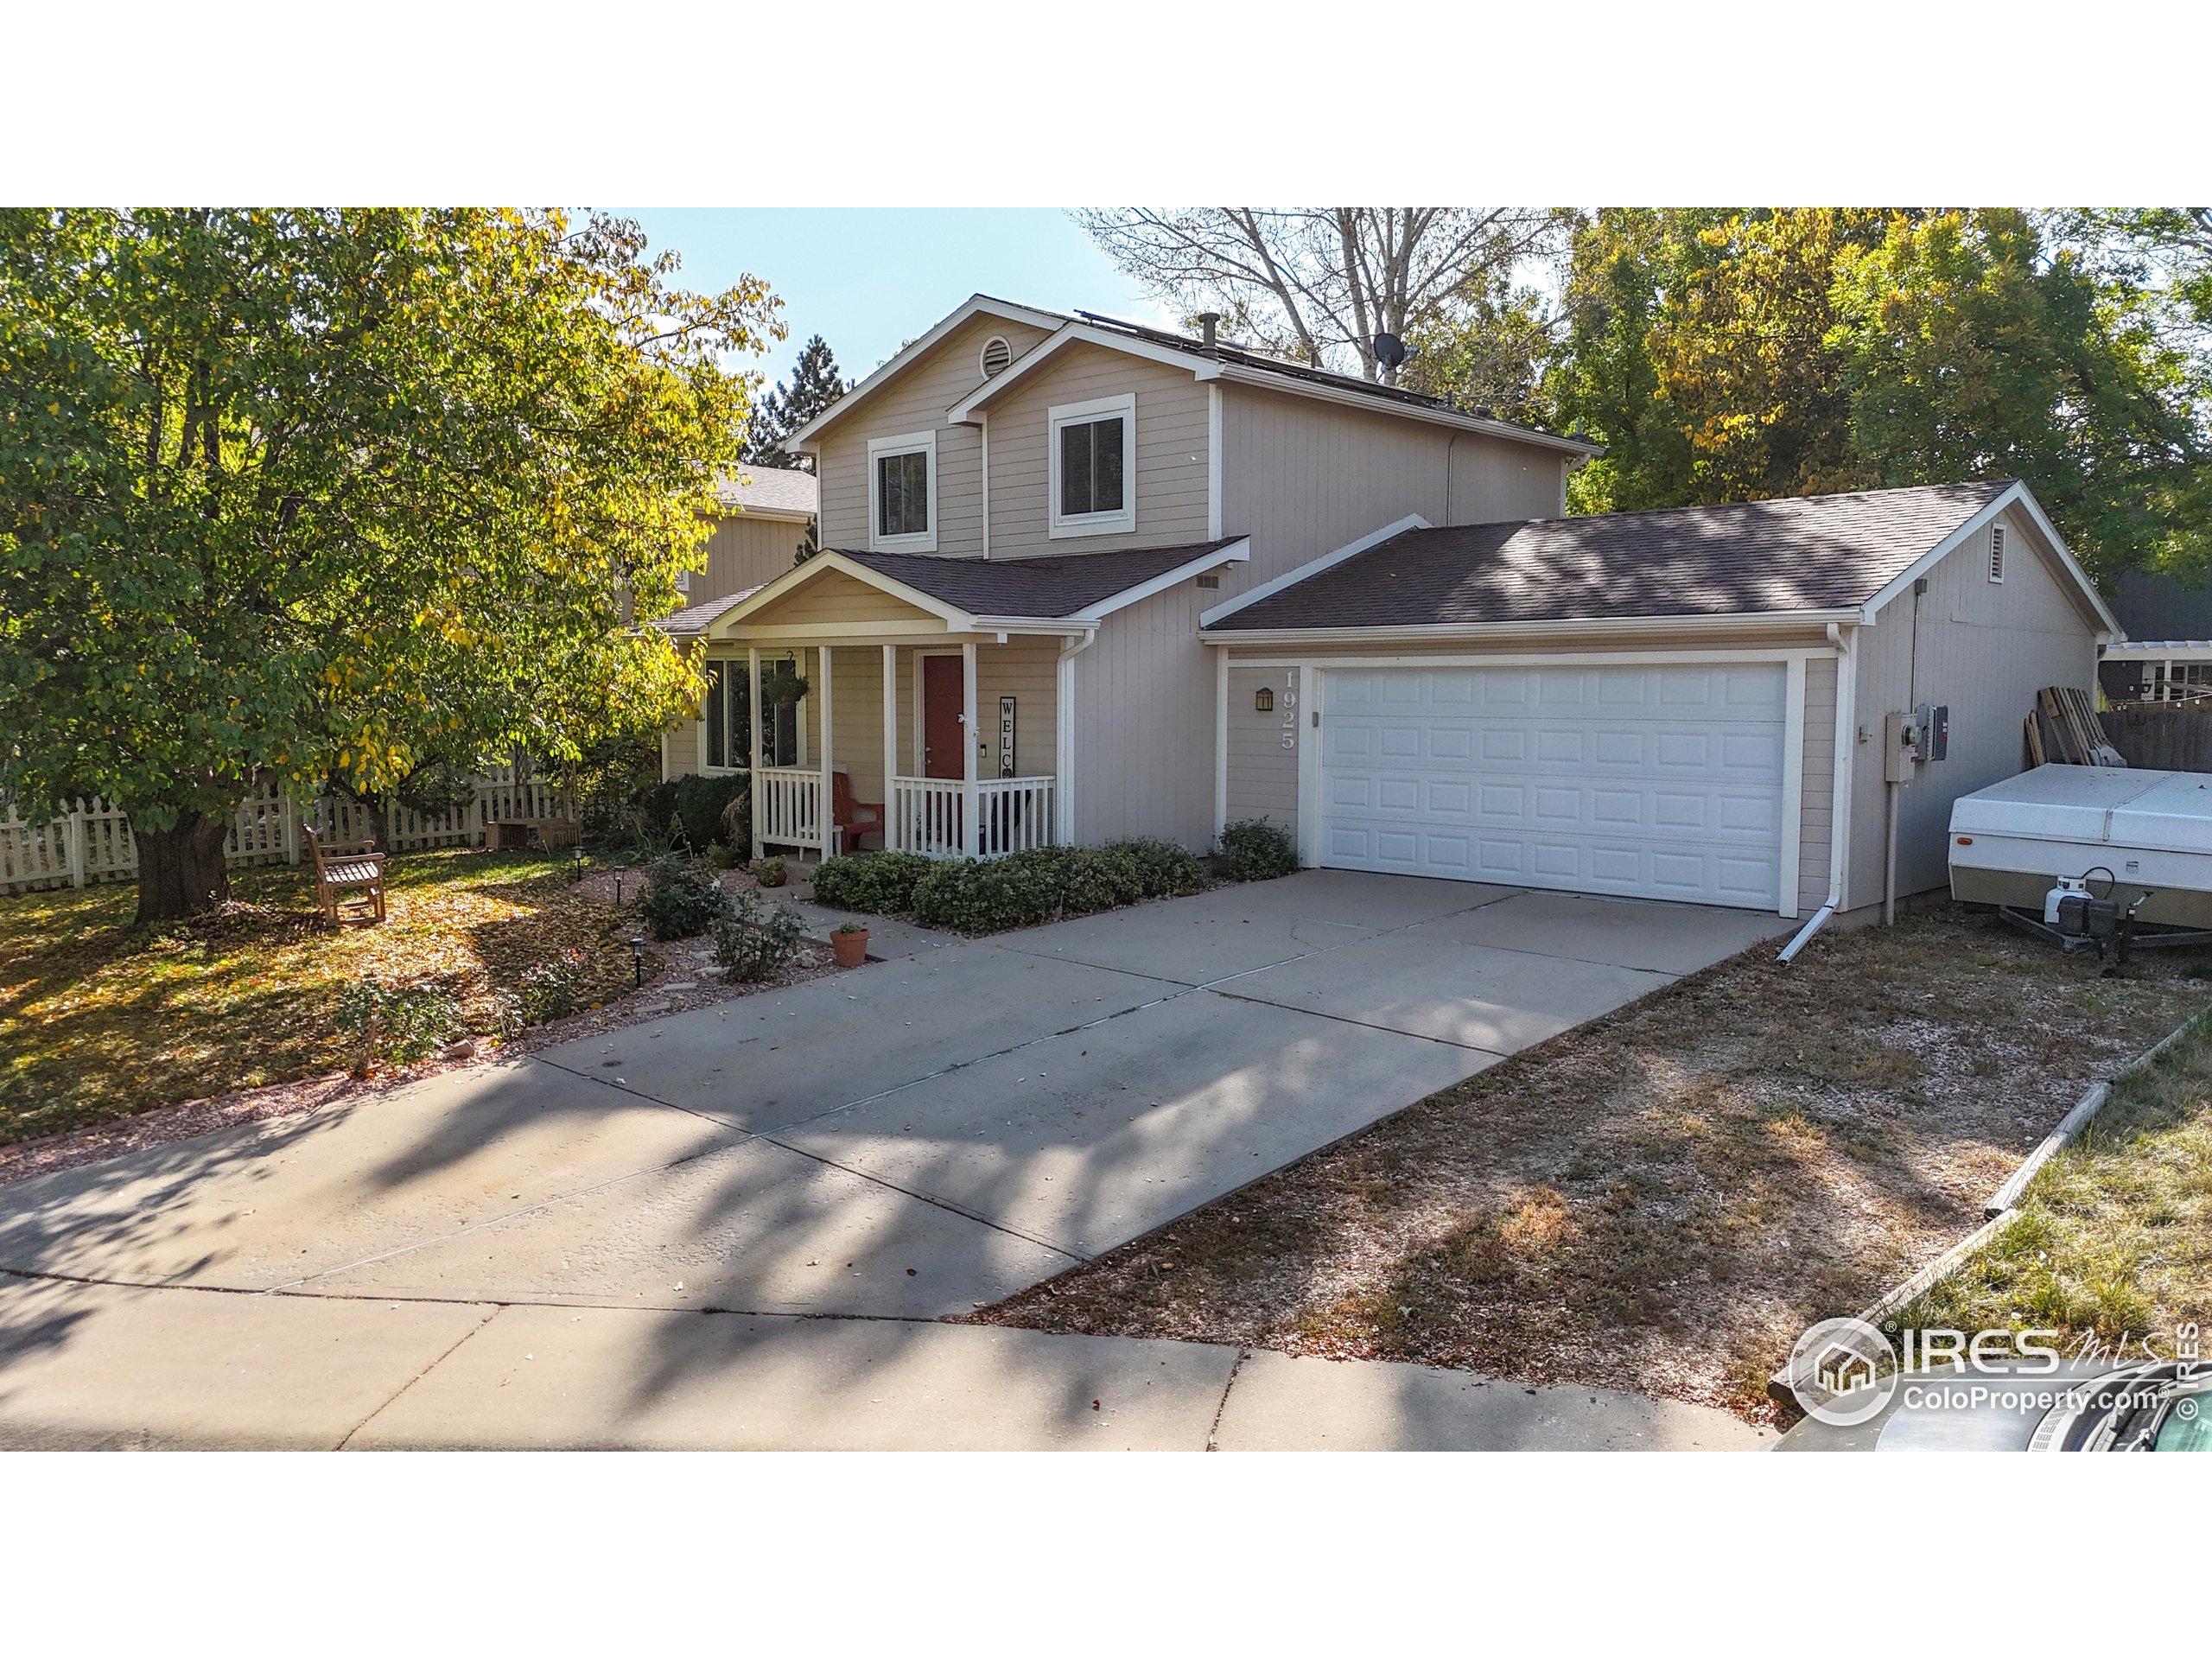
1258 851
1091 879
701 800
754 941
719 856
1164 869
972 896
681 899
737 824
398 1023
552 988
771 872
878 884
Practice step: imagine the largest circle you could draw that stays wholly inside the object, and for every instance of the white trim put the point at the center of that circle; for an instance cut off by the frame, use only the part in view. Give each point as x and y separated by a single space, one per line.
780 515
753 756
890 736
1792 785
1073 334
1220 741
1193 360
1237 552
1120 521
1545 658
971 827
907 443
832 842
1728 622
1064 739
1309 765
1312 568
976 304
1213 460
821 564
986 426
2020 496
1847 732
2172 650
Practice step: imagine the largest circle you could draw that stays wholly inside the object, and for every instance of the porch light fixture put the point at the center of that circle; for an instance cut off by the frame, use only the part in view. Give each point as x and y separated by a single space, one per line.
1263 700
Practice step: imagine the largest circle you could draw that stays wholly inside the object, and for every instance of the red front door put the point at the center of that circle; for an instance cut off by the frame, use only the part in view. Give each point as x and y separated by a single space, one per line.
943 696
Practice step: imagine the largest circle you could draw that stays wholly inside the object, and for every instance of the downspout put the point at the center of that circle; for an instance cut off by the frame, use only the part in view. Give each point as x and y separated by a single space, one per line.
1847 697
1064 739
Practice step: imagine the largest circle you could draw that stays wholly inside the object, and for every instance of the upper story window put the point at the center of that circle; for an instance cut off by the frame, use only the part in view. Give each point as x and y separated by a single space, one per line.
902 493
1997 553
1094 450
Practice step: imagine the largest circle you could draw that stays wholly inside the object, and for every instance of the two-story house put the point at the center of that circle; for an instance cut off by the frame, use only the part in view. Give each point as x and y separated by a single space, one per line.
1082 579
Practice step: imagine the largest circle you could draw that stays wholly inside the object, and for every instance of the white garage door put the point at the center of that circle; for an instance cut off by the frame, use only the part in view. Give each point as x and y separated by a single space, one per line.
1658 782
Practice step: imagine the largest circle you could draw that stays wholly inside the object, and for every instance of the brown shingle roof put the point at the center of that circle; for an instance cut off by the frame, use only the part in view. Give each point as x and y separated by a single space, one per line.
770 489
697 618
1064 585
1802 553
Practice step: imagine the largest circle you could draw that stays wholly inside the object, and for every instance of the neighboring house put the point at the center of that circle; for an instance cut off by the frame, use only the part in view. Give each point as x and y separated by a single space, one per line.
2167 657
758 537
1084 580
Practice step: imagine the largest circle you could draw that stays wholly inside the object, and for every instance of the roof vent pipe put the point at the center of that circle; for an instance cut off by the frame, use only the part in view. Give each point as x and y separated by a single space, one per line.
1208 321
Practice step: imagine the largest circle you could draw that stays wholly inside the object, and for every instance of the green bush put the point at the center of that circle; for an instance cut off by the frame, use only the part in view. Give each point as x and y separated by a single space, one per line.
1092 879
1165 869
681 901
754 941
877 884
701 800
554 987
398 1023
1258 851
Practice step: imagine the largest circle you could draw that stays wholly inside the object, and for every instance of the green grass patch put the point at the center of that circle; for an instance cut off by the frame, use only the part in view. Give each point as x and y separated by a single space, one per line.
2115 1234
100 1021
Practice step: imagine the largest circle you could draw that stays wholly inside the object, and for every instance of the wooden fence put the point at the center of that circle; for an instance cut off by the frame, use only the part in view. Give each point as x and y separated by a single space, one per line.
92 841
2162 736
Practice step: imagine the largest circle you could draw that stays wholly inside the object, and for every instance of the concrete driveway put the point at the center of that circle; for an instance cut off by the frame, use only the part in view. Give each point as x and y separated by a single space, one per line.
909 1140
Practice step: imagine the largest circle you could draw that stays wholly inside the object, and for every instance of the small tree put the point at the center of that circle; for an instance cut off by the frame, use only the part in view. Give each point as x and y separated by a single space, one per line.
815 384
323 493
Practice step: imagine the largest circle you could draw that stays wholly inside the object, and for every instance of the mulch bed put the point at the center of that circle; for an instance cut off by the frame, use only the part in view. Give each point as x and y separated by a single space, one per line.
1662 1200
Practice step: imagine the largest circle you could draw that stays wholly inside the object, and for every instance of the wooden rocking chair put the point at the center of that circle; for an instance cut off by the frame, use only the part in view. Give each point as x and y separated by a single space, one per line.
353 866
845 814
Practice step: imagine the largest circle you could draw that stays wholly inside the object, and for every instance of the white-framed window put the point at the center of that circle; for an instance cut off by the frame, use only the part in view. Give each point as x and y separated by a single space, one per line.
1996 552
1094 466
902 493
726 723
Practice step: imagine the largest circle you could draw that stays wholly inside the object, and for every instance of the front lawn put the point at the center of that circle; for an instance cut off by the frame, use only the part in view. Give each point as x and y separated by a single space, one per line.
2114 1234
98 1022
1662 1200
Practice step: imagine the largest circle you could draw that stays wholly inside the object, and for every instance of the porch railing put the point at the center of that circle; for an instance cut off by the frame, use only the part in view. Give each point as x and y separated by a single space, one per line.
1012 813
787 806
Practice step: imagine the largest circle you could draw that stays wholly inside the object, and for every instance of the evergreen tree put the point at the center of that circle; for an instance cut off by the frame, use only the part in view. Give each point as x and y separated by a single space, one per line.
814 385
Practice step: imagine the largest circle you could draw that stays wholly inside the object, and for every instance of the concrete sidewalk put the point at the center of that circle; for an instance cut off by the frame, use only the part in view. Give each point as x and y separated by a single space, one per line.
87 1366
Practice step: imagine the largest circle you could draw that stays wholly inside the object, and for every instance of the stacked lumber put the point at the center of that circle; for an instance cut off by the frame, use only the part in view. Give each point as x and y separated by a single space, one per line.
2064 729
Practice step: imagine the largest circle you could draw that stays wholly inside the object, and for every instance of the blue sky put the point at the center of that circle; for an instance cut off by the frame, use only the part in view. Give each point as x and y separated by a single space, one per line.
867 280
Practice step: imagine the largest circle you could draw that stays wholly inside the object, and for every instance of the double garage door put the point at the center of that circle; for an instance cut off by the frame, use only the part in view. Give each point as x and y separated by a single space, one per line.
1653 781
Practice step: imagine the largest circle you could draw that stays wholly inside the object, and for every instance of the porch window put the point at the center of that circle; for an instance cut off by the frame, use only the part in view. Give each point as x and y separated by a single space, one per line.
902 488
727 723
1094 466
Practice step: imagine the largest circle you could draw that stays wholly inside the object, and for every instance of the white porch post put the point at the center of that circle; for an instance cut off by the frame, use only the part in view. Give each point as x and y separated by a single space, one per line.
1220 736
890 743
825 824
971 828
753 743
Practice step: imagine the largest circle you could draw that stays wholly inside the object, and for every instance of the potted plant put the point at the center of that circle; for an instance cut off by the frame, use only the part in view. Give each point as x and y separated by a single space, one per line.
771 872
850 943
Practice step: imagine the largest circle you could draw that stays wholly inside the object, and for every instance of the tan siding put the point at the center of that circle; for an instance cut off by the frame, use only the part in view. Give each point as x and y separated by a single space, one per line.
1144 699
1262 771
837 597
1303 478
1817 821
856 708
1171 452
743 553
1985 648
1028 671
915 401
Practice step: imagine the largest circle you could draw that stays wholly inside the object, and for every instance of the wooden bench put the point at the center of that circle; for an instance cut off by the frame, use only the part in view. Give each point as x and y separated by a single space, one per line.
350 866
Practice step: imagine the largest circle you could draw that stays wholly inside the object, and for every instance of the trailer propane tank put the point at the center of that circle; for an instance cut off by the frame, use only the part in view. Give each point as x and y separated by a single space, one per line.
2069 886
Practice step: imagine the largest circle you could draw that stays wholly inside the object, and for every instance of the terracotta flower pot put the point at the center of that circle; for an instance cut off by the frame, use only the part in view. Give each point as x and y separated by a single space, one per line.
851 948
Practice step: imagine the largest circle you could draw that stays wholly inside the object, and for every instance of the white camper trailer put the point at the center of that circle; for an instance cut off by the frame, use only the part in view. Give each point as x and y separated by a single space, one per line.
2150 832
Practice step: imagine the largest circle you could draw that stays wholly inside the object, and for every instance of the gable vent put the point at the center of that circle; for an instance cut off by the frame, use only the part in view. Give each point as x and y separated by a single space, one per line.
1997 553
996 355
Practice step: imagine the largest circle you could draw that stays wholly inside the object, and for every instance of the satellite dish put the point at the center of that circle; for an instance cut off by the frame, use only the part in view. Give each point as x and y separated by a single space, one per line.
1390 352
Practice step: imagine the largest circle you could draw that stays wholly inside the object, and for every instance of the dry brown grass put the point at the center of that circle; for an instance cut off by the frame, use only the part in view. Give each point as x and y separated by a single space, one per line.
1661 1200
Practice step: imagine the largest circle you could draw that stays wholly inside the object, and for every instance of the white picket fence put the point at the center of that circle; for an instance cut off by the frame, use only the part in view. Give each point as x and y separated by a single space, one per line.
92 841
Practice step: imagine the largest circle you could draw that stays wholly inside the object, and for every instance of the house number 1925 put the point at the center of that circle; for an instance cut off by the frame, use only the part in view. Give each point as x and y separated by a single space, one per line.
1288 703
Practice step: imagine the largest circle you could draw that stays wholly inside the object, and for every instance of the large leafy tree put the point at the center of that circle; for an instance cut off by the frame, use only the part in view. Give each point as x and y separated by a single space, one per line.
814 385
1734 355
326 495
